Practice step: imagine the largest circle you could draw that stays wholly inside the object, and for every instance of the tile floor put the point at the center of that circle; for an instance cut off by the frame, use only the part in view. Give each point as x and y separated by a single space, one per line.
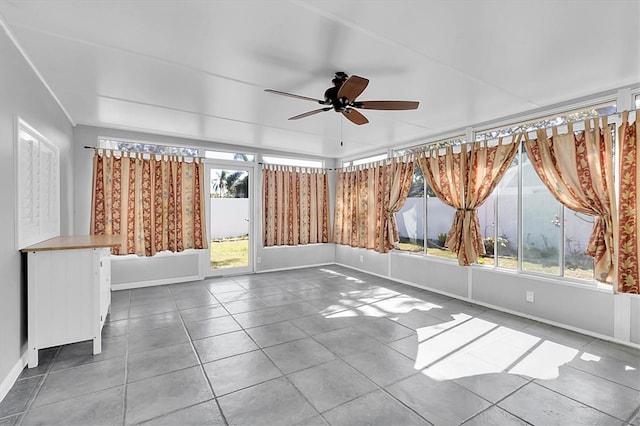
324 345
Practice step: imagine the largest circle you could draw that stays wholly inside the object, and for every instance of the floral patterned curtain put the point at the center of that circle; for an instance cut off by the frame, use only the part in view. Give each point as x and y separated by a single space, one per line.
154 204
295 206
578 170
367 198
628 182
464 180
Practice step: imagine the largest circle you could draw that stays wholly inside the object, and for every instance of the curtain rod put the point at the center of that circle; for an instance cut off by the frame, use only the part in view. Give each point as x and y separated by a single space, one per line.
139 152
300 167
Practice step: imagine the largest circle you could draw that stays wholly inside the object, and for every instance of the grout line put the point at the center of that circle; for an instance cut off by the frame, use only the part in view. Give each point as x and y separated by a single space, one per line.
200 364
126 364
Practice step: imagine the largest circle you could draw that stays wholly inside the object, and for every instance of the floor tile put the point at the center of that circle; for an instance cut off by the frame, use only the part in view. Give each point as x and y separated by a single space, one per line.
267 291
163 360
296 310
495 416
240 371
313 421
316 324
376 408
225 345
588 389
82 380
188 290
280 299
258 318
559 335
385 330
117 313
158 307
299 354
384 366
441 403
152 299
316 293
347 341
45 361
99 408
141 341
297 286
211 327
625 354
407 346
152 322
622 372
245 306
234 296
120 298
203 313
276 402
541 406
113 329
196 302
492 387
219 288
163 394
11 420
205 413
331 384
18 398
274 334
80 353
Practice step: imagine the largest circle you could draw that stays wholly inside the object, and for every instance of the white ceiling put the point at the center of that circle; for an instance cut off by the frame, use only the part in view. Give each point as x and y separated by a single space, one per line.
198 69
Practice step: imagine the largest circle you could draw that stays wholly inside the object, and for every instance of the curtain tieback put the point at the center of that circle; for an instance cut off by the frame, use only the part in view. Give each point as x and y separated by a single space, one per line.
465 210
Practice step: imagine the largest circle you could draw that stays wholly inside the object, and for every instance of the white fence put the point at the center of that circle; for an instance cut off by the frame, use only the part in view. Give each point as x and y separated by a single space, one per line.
539 218
229 217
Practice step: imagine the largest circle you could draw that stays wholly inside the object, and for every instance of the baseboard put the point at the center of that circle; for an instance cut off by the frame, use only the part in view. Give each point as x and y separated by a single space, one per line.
8 382
291 268
152 283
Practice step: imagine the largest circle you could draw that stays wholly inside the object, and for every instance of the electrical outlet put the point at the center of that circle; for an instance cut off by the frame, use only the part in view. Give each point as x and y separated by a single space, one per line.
530 297
259 259
361 258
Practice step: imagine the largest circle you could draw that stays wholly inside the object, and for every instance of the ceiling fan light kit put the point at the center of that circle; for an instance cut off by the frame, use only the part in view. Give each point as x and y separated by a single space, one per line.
342 98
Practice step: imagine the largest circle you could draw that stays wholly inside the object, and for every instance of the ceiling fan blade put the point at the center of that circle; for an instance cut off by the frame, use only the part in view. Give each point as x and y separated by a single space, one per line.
291 95
307 114
355 117
352 88
387 105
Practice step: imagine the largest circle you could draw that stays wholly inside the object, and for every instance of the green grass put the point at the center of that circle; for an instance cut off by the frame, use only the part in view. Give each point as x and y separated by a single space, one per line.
229 253
504 262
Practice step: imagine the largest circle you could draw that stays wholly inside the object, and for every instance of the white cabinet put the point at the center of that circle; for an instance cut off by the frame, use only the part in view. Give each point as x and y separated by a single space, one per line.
68 291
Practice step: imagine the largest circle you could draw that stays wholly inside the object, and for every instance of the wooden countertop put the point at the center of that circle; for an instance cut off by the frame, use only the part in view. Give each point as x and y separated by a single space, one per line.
70 242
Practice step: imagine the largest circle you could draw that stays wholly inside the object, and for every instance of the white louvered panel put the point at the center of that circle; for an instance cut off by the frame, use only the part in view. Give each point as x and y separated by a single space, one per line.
38 192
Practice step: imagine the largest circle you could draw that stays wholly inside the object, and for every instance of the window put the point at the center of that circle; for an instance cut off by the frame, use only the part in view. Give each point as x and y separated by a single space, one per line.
424 217
365 160
637 101
541 224
295 162
131 146
501 240
233 156
524 227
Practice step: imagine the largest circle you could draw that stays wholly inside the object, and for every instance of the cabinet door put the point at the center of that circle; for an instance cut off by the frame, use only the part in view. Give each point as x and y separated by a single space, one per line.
105 283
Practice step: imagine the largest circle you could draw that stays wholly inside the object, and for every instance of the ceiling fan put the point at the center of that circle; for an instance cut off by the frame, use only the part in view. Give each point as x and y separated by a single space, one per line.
342 98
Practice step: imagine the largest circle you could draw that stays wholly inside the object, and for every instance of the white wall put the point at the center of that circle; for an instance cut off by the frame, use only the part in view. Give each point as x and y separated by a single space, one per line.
22 94
587 309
